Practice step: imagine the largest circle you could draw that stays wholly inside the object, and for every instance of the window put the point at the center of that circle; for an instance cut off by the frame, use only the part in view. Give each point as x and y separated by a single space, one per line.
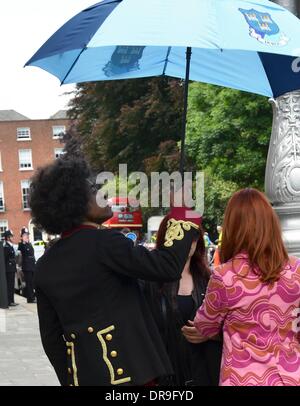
2 207
58 131
25 159
58 152
3 226
25 184
23 134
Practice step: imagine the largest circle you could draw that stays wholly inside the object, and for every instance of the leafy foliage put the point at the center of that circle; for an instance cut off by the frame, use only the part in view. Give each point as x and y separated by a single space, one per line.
127 121
229 132
228 136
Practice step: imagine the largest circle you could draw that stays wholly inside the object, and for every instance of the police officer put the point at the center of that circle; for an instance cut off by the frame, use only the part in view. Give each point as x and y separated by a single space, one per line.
28 264
10 266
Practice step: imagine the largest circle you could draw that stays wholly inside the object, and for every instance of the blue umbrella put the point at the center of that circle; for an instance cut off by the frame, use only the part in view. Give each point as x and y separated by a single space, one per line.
247 45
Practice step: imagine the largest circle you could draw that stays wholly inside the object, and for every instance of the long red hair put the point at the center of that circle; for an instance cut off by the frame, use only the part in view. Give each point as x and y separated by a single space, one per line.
251 225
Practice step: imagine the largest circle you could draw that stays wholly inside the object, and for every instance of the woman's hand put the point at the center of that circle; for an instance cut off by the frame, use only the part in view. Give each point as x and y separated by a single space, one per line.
191 334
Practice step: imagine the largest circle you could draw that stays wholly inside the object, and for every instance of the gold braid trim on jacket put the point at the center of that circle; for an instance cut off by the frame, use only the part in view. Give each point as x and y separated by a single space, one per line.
176 229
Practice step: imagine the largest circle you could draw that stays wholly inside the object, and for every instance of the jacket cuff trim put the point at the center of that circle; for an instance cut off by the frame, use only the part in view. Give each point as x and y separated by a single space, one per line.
176 229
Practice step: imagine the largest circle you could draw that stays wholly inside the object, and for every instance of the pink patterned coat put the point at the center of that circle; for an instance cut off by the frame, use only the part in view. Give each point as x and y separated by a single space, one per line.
260 324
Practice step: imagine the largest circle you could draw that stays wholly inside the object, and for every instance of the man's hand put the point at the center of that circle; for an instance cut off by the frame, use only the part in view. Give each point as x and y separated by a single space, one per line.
191 334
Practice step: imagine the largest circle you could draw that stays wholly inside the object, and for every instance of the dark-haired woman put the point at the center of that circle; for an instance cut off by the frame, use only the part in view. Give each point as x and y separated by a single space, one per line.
96 327
254 298
174 306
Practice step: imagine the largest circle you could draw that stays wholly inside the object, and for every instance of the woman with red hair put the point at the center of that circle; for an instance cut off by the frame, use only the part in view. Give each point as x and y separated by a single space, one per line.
254 297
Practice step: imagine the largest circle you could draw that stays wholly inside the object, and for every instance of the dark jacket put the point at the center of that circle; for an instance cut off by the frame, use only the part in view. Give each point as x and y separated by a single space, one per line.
194 364
28 259
96 327
9 257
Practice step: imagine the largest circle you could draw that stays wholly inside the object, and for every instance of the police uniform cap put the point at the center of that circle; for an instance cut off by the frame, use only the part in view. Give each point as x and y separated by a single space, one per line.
24 230
7 234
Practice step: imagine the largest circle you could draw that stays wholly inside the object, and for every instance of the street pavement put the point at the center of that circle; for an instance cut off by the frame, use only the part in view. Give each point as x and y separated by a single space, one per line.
22 358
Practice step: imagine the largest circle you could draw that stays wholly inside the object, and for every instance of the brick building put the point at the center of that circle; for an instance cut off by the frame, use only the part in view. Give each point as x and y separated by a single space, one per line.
25 145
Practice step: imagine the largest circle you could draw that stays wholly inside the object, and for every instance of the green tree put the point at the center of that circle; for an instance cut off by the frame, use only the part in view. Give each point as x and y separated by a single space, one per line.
227 137
229 132
127 121
217 194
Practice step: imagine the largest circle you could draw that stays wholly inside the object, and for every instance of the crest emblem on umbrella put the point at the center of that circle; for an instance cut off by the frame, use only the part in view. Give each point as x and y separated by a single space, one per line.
263 28
124 59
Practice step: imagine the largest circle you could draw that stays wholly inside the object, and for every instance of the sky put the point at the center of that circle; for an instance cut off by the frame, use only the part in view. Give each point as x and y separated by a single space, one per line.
24 26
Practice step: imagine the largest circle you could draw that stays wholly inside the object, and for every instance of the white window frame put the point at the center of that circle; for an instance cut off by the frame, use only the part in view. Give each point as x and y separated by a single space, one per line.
25 195
2 207
58 152
23 137
3 226
29 164
58 135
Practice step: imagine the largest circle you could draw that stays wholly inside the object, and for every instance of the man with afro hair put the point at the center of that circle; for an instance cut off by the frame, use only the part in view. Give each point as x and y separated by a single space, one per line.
95 325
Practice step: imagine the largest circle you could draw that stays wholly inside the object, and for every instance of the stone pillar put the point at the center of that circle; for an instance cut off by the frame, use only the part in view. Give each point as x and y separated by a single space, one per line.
282 183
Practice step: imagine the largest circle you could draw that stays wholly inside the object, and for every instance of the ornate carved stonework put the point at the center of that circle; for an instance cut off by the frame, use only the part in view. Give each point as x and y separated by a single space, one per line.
282 183
283 167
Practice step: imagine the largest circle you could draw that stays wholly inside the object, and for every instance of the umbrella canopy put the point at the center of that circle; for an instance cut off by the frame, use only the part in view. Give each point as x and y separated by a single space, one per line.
246 45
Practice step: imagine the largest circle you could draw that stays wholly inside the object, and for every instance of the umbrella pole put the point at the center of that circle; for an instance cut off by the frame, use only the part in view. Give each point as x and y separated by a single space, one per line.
185 106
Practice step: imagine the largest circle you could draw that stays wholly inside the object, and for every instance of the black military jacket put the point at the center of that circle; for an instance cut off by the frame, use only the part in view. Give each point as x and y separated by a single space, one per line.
28 259
95 325
9 257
